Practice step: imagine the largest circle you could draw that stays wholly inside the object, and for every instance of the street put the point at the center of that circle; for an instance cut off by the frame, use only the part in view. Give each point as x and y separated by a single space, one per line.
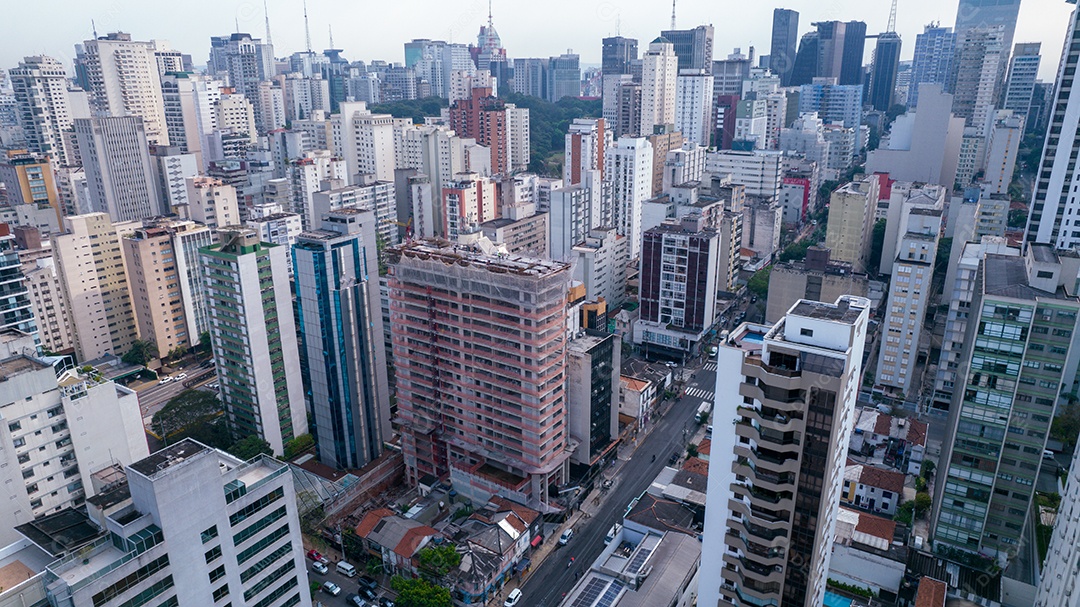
551 579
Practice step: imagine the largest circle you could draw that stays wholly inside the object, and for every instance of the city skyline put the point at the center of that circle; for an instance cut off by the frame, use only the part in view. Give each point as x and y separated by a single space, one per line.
1039 21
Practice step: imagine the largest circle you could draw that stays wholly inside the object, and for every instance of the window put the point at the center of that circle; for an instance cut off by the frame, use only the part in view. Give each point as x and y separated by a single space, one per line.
209 534
806 332
221 593
13 426
217 573
212 555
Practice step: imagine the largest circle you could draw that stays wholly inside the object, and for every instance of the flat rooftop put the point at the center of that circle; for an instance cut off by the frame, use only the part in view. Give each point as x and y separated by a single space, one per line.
841 312
169 456
272 217
1007 276
462 255
60 532
18 365
21 561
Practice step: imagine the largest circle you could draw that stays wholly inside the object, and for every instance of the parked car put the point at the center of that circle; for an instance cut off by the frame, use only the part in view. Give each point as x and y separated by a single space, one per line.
368 582
368 594
320 568
316 556
385 602
355 601
331 588
514 598
566 536
1048 454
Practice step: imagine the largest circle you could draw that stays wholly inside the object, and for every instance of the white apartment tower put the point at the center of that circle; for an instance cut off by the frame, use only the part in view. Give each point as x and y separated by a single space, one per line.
1054 217
694 105
659 73
586 142
123 78
253 333
629 168
200 527
93 277
777 466
1023 72
365 141
119 172
41 94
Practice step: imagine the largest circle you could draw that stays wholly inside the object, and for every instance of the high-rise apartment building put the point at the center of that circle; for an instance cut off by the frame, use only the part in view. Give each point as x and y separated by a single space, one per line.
785 35
835 103
694 106
629 168
459 419
365 141
564 77
693 47
29 179
238 543
190 115
978 74
60 426
770 527
852 210
253 335
123 80
1023 72
601 263
659 71
884 70
1054 203
1057 582
244 63
679 270
90 264
934 54
236 113
119 172
485 118
306 177
989 14
377 197
467 202
592 393
617 55
1018 358
341 334
41 93
919 220
16 307
587 140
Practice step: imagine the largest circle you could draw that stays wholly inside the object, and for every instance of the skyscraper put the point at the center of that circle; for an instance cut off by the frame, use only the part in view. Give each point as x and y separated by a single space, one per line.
1023 71
617 54
693 47
587 140
785 34
883 73
770 526
341 336
253 336
694 116
988 14
243 62
1019 356
123 79
978 73
934 50
90 265
1054 202
564 77
629 168
805 68
41 92
659 71
501 439
119 172
840 47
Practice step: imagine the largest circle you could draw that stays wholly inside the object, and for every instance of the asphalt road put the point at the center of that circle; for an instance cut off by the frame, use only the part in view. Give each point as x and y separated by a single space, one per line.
550 580
153 398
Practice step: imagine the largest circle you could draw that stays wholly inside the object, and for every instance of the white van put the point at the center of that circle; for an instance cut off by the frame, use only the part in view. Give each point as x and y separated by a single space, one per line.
346 569
513 599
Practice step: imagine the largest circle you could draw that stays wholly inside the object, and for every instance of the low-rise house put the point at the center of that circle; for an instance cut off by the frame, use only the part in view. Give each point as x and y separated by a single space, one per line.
898 442
494 543
871 488
394 539
865 554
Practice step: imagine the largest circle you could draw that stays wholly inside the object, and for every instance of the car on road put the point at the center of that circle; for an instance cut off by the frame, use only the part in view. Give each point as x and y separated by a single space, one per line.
368 594
355 601
316 556
514 598
165 380
212 386
320 568
180 376
674 458
566 536
1048 454
368 582
331 588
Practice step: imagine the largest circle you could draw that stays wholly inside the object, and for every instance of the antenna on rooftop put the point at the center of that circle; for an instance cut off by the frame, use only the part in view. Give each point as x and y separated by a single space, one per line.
266 14
93 26
331 28
672 14
490 20
307 30
892 18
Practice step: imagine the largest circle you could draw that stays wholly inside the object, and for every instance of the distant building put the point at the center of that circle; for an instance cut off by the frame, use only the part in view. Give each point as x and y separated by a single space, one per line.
817 278
119 171
852 208
592 394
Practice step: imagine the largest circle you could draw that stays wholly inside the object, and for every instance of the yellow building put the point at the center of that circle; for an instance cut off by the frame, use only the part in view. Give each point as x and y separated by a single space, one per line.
29 180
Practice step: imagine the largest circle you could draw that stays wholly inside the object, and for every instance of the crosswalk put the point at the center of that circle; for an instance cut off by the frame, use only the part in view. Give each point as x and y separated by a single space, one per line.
710 367
705 395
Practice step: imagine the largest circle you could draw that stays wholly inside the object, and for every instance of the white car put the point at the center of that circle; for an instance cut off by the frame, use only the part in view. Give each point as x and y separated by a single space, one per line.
165 380
513 599
320 568
331 588
180 376
566 536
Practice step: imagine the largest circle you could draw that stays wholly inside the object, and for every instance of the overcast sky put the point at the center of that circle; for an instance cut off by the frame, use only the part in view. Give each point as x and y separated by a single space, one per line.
529 28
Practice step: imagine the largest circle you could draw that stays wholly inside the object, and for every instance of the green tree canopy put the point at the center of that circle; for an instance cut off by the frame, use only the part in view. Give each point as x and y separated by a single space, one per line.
249 447
186 410
1066 426
877 245
759 282
416 109
141 352
439 559
298 445
418 592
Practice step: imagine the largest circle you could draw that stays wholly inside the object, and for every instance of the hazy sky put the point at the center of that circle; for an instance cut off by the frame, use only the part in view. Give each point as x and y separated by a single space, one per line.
529 28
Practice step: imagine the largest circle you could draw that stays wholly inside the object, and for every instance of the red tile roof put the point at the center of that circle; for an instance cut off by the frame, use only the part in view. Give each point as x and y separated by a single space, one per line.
876 526
931 593
696 465
916 433
705 447
371 519
882 479
526 514
412 539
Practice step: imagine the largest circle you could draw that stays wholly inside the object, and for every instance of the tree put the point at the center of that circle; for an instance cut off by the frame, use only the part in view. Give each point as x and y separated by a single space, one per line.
1066 426
922 503
187 409
141 352
439 559
418 592
416 109
1017 218
877 245
759 282
691 450
249 447
298 445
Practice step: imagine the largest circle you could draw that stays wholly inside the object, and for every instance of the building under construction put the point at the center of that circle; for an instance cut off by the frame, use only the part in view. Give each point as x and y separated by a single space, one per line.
480 357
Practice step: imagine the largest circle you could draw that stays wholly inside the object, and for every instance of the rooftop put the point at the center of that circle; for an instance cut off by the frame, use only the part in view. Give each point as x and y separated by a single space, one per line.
166 458
19 562
931 593
18 365
841 312
60 532
273 217
662 515
455 254
1007 276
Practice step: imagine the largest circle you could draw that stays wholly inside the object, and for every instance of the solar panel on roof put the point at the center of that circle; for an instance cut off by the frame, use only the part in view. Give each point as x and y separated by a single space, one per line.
639 559
591 592
611 594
